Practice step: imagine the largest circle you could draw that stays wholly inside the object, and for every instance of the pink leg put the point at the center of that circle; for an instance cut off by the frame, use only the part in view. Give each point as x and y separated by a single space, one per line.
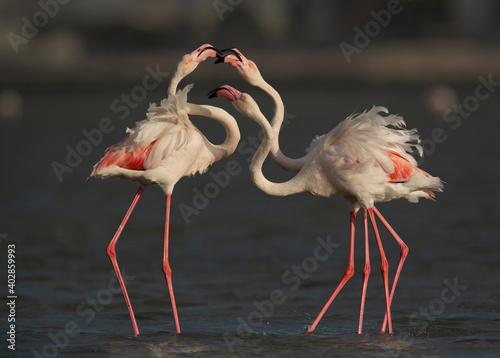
384 267
404 253
347 275
112 256
166 266
366 273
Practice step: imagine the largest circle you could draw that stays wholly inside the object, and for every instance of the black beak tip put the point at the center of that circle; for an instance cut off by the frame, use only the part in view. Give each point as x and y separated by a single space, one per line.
219 59
231 51
213 93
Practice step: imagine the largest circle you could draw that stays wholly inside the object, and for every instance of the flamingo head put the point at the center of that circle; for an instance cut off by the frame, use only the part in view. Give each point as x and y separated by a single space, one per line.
203 52
247 69
191 60
243 102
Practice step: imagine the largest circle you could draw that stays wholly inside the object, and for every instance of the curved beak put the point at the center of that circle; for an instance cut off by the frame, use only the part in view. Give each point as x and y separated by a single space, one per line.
227 92
232 56
213 93
203 52
219 59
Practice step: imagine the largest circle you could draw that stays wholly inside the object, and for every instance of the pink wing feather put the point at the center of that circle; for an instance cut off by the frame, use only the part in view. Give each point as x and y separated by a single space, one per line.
151 141
123 158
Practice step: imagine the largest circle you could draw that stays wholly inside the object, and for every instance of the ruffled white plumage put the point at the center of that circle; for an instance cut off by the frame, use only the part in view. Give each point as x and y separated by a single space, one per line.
166 146
368 136
167 125
356 158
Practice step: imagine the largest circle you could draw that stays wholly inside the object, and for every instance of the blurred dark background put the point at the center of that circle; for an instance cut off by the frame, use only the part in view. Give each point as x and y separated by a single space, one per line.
63 65
95 41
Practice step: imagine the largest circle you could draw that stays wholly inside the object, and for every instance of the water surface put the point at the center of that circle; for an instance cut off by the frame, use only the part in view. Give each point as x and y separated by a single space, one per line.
241 249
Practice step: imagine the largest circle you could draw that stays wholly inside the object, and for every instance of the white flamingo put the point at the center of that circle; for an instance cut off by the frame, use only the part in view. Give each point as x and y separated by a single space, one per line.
249 71
365 159
162 149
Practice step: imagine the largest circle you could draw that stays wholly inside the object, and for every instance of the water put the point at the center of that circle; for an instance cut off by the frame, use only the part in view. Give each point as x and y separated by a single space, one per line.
248 274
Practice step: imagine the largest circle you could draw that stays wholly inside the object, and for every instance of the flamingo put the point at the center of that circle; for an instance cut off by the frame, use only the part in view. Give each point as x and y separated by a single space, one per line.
162 149
365 159
249 71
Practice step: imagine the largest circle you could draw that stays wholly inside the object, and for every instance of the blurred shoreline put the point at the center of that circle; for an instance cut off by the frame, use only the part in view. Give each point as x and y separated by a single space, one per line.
397 62
395 41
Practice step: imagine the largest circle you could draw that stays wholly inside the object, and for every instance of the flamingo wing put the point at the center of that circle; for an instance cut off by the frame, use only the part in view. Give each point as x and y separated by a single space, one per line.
367 138
166 129
123 158
403 169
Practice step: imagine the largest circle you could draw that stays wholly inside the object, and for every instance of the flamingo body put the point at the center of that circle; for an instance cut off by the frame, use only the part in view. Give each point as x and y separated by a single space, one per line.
341 165
162 149
366 159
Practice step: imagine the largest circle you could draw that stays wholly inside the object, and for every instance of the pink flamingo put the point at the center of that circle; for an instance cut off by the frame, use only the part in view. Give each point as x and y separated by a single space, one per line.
365 159
249 71
162 149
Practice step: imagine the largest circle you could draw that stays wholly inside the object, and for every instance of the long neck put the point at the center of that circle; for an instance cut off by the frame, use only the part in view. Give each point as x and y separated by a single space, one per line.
174 82
293 186
184 68
282 160
232 131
